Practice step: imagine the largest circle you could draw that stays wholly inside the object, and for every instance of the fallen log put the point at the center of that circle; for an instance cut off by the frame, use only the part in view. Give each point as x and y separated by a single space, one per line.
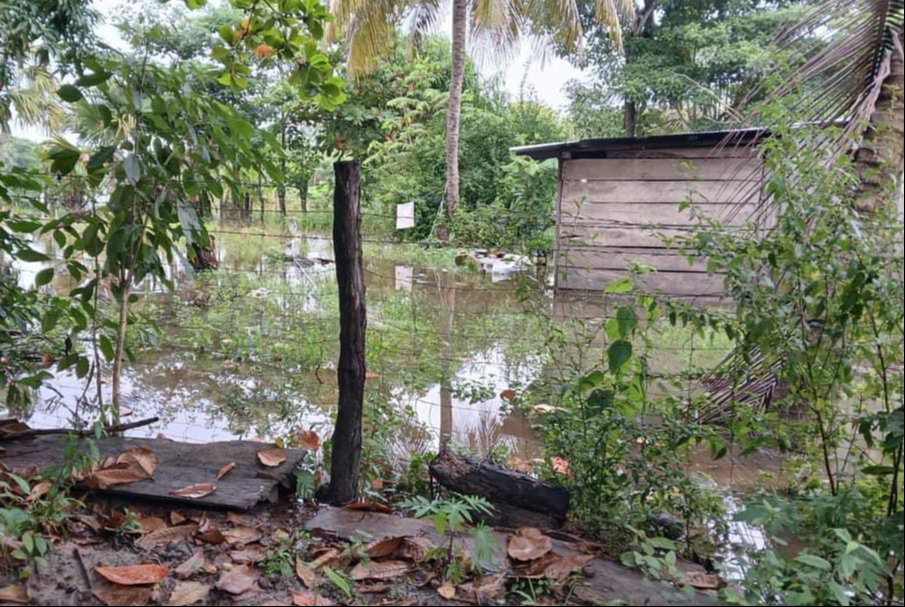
519 500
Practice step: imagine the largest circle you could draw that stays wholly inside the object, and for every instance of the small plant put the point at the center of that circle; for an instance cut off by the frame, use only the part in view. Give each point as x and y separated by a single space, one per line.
655 557
341 583
451 518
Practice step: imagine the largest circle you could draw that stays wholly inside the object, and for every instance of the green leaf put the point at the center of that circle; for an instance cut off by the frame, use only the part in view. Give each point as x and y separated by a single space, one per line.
30 256
90 80
661 543
82 368
620 287
107 348
70 94
619 354
814 561
44 277
132 167
195 4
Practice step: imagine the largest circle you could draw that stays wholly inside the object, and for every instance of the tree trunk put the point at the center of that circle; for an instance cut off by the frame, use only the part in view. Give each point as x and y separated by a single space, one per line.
630 119
879 159
347 438
454 114
303 194
120 351
447 330
281 192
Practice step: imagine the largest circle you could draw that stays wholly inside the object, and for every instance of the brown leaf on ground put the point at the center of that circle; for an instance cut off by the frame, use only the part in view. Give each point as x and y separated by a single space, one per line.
191 567
529 545
486 588
326 559
369 506
273 458
134 575
385 548
225 470
186 594
308 576
11 427
115 476
241 536
150 524
239 581
113 595
558 568
386 570
145 459
309 440
250 555
304 599
39 491
414 548
283 603
237 520
212 536
196 492
703 581
447 592
177 519
15 595
374 589
163 537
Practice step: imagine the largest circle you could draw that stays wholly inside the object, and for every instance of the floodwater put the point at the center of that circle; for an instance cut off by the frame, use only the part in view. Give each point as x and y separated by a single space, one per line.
250 353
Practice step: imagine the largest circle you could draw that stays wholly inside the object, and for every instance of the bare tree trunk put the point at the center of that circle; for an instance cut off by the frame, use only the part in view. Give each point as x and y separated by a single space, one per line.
879 159
347 438
454 115
303 194
447 330
630 119
120 351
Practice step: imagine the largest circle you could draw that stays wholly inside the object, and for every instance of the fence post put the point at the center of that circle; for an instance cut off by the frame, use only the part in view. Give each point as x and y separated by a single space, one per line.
347 437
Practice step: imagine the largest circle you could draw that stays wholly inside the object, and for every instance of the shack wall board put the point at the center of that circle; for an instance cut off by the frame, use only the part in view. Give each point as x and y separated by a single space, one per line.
615 211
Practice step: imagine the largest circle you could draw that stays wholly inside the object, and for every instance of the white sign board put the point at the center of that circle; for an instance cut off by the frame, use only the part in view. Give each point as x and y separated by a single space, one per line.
405 216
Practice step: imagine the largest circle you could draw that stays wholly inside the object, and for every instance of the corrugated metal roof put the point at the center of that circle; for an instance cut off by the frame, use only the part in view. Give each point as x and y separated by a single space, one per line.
590 148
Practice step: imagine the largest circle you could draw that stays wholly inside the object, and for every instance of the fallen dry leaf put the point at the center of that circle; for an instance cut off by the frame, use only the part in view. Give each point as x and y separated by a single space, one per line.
529 545
273 458
385 548
115 476
309 440
188 593
484 588
196 492
134 575
177 519
172 535
414 548
113 595
308 576
238 520
386 570
225 470
145 459
304 599
283 603
703 581
558 568
241 536
369 506
447 592
39 491
150 524
191 567
16 595
250 555
325 560
212 536
239 581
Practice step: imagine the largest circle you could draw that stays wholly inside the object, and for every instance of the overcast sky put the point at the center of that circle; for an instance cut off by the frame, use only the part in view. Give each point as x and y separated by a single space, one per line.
547 77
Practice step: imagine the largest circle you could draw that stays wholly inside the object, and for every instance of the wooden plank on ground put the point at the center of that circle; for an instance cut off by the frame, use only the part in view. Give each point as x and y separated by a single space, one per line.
661 169
180 465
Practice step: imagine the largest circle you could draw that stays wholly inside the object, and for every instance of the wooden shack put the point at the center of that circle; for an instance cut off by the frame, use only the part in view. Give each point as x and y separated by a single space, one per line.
619 198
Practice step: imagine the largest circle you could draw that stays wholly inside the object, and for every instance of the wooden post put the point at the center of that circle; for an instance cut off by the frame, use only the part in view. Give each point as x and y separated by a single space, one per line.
347 438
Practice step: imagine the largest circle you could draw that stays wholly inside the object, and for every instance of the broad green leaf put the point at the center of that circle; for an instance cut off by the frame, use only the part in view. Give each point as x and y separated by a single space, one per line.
70 94
44 277
620 287
619 354
814 561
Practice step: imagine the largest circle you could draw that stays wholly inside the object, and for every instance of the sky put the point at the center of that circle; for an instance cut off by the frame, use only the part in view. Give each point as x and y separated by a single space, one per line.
546 76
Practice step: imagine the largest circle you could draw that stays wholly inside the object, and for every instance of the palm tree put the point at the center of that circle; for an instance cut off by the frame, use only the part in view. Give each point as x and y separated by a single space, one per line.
852 73
498 24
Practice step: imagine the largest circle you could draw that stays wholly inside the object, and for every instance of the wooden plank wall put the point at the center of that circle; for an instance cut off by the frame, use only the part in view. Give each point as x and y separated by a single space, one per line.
617 210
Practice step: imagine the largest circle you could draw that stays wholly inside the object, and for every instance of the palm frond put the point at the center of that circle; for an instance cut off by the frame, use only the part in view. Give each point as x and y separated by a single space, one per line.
368 26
